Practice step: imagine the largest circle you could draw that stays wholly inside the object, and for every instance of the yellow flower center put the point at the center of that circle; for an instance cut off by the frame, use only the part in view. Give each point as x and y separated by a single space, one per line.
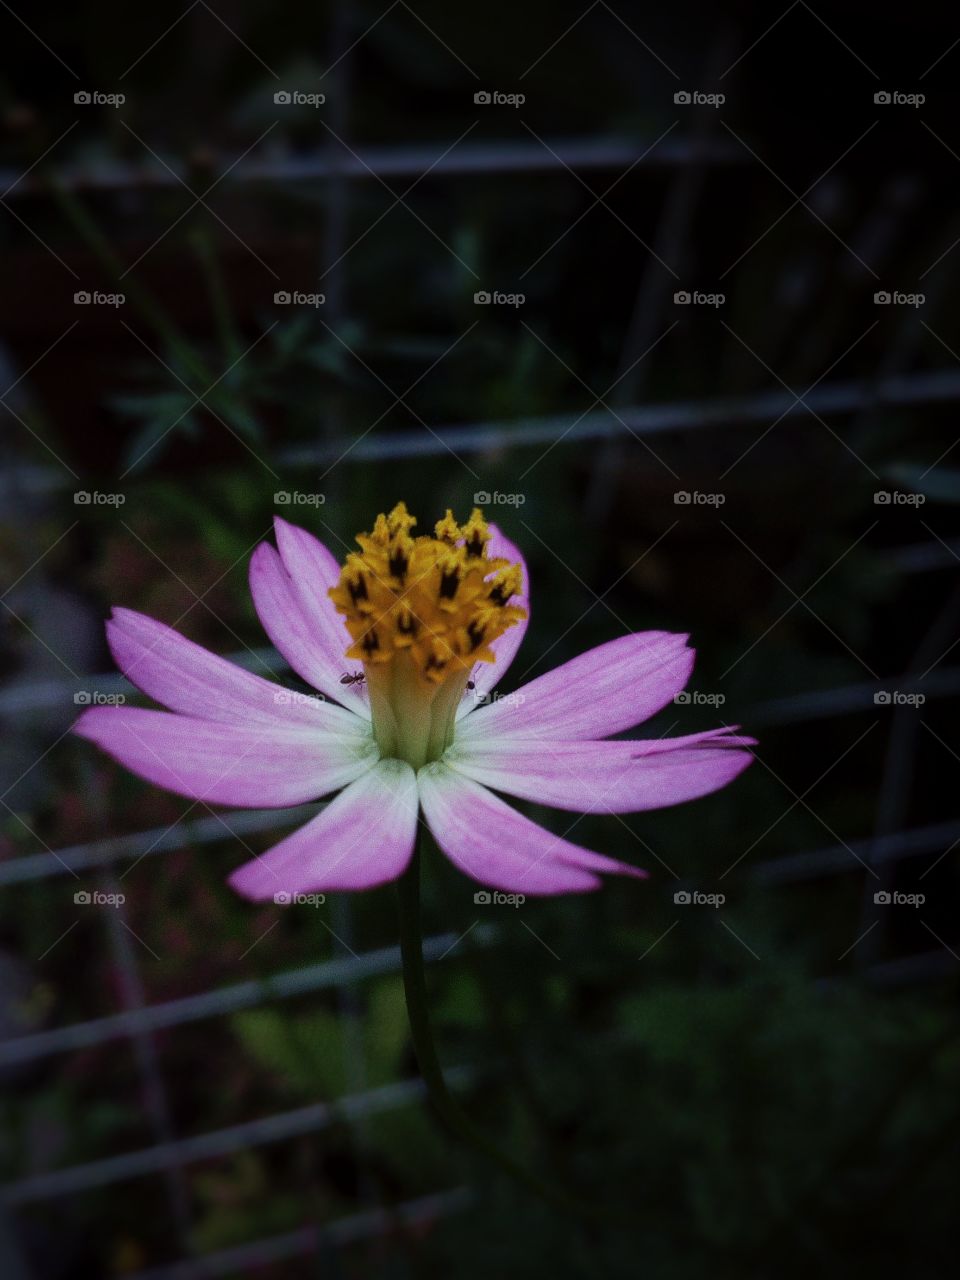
422 612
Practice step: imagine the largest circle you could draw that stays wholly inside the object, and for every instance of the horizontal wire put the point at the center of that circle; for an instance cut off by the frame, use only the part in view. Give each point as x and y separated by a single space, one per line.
367 164
222 1142
652 419
369 1224
224 1000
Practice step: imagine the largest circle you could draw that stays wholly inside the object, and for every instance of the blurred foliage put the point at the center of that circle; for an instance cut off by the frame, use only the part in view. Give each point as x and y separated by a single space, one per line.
310 1053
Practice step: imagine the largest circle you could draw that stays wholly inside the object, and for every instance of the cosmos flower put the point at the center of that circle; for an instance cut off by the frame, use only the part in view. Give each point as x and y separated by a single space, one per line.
405 643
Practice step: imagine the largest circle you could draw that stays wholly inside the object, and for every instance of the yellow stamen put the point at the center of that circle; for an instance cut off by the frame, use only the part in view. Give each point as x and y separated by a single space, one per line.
422 611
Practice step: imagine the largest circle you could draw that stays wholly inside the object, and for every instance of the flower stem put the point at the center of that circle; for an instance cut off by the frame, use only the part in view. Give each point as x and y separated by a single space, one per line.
449 1111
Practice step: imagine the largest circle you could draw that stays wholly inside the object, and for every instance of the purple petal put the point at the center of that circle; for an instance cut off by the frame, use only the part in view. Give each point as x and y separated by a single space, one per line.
256 766
494 844
603 691
316 655
724 737
598 777
364 837
487 675
186 677
313 570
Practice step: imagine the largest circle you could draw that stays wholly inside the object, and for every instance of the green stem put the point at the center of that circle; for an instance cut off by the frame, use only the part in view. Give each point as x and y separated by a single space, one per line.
449 1111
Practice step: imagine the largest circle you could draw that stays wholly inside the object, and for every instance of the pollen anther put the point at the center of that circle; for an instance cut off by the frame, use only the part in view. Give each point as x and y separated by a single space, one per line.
421 612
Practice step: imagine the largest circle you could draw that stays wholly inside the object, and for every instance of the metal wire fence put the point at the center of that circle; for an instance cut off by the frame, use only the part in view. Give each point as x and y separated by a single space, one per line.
138 1022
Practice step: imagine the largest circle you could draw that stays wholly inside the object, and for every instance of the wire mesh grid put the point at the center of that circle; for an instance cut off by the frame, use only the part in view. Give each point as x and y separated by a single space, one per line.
138 1021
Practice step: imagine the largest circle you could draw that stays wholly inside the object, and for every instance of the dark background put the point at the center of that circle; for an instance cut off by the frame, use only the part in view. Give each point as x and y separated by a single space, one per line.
749 1090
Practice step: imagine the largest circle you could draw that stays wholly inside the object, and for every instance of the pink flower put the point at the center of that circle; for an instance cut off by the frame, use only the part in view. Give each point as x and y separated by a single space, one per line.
405 643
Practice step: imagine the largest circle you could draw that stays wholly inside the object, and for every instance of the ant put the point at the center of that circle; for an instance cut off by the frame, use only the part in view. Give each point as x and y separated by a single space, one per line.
358 677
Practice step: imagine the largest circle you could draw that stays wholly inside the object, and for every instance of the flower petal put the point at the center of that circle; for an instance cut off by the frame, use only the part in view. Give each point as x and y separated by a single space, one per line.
490 842
598 777
364 837
257 766
605 690
727 736
315 653
487 675
313 569
186 677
